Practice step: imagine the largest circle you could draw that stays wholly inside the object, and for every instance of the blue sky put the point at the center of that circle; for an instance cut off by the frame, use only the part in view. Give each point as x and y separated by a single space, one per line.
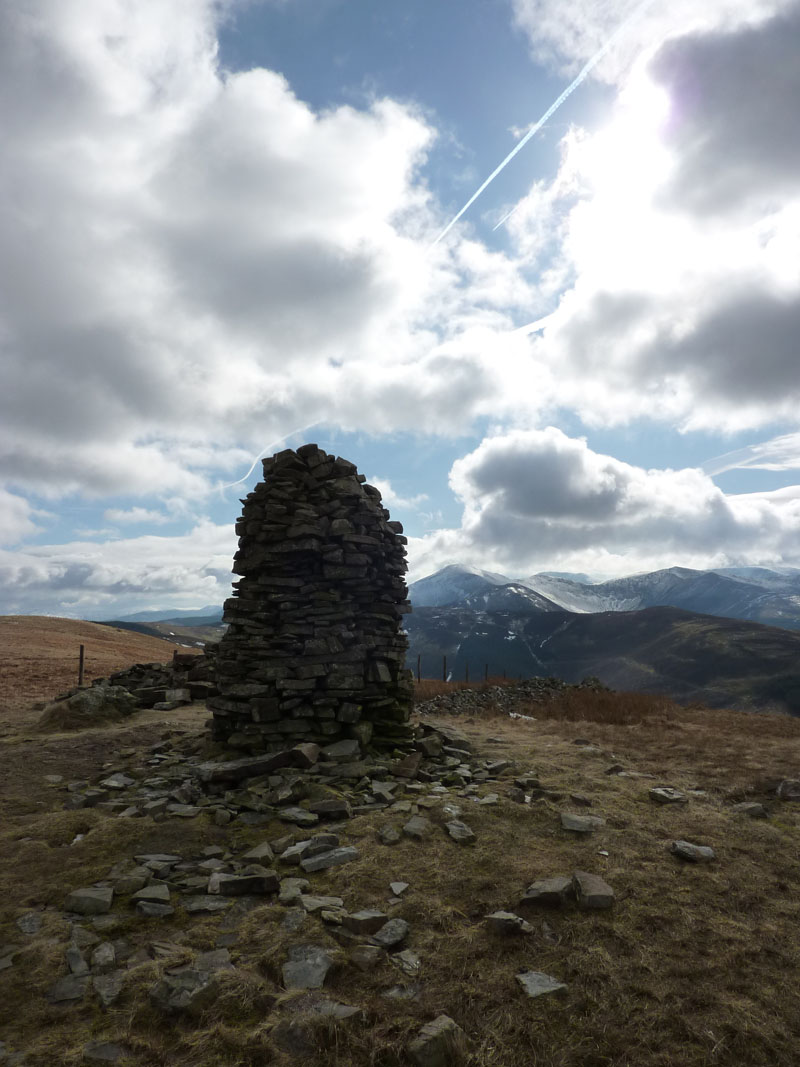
218 229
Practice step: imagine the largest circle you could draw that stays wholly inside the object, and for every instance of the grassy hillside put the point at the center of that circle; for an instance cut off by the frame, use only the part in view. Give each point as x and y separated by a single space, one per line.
40 655
722 662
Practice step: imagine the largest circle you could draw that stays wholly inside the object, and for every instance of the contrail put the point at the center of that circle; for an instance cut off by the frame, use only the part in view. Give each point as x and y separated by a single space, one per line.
266 448
585 70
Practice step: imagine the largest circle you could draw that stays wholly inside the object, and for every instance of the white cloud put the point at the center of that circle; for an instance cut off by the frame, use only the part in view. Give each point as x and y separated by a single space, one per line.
538 498
136 515
191 248
16 520
392 500
777 454
676 231
89 579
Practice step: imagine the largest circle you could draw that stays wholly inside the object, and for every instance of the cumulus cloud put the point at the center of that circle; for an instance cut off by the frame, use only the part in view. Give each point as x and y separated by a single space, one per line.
394 500
185 247
136 515
539 498
676 228
84 578
16 518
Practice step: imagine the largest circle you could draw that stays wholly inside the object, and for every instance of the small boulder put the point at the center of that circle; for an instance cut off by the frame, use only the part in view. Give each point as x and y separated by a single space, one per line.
581 824
90 901
440 1043
665 794
418 828
460 832
591 891
306 968
506 922
685 850
537 984
549 892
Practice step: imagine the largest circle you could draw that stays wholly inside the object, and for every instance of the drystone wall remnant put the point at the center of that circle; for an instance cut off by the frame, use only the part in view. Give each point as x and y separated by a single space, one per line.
314 649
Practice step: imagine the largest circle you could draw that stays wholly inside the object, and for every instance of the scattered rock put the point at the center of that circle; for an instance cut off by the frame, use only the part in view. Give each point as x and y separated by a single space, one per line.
591 891
550 892
693 853
752 809
187 991
291 890
537 984
505 922
307 967
789 789
314 903
398 888
366 957
391 933
97 1053
30 923
335 858
90 901
260 852
365 922
70 987
418 828
108 986
389 835
440 1043
581 824
152 894
407 961
460 832
253 880
665 794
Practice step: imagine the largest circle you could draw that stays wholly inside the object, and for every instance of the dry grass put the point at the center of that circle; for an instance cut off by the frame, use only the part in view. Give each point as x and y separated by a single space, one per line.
695 966
40 658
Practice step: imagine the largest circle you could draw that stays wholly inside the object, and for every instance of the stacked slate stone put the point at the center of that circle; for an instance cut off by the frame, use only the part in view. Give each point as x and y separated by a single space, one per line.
314 649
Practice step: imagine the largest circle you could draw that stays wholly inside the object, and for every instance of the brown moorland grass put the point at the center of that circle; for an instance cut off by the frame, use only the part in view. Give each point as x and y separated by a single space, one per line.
40 657
694 965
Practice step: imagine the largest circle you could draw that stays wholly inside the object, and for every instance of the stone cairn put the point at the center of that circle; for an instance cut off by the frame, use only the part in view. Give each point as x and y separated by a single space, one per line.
314 649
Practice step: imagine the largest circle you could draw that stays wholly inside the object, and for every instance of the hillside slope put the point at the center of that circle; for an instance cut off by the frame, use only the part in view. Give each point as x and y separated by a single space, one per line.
722 662
40 655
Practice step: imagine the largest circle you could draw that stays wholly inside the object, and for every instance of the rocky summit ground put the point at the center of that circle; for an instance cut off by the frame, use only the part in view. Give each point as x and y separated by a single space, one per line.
604 879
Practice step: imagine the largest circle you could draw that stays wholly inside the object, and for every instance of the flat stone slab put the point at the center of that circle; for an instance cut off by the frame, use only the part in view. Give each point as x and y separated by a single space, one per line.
97 1053
418 828
549 892
248 767
460 832
367 921
154 911
298 816
90 901
69 988
751 809
205 903
591 891
440 1043
538 984
581 824
313 903
685 850
389 835
187 991
391 933
665 794
154 894
253 881
109 986
335 858
307 967
506 922
789 789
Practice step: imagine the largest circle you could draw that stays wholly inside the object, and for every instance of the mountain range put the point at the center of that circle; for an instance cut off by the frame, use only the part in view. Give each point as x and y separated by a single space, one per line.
758 594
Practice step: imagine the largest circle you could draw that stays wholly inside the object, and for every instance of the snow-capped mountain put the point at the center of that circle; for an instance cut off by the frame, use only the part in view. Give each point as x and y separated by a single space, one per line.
756 593
453 584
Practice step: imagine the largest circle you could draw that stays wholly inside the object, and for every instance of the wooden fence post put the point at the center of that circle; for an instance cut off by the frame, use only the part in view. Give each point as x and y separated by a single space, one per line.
80 666
444 668
419 660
